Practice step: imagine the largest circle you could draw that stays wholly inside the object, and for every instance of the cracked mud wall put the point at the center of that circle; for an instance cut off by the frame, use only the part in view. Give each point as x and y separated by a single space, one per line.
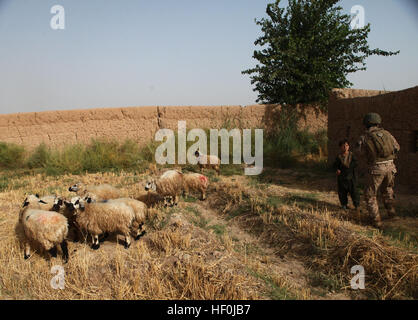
59 128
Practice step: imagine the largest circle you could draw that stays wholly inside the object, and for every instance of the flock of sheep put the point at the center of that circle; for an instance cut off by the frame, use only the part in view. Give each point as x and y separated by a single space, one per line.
101 209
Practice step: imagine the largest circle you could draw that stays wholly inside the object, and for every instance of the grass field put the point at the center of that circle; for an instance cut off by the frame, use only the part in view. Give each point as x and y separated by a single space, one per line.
280 235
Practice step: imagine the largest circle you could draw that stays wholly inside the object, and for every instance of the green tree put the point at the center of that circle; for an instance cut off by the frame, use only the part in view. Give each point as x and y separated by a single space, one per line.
307 50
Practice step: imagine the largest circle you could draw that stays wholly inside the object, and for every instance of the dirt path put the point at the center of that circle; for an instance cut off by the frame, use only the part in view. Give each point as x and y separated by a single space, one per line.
287 269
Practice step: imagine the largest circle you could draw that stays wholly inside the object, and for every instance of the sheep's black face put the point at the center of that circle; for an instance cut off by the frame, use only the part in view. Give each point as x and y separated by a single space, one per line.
73 188
78 203
150 185
73 205
197 154
25 203
69 205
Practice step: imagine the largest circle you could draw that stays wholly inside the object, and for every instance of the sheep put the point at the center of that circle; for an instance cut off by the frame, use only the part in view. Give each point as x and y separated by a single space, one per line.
34 202
103 191
207 162
45 203
67 209
195 182
101 217
170 184
47 228
150 198
141 214
49 202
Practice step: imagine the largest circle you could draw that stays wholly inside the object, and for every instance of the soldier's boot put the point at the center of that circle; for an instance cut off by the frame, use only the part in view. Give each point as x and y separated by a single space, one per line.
358 214
391 212
377 223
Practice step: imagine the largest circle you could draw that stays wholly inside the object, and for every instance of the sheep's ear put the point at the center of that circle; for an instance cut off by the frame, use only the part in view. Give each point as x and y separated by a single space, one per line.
42 201
78 201
25 204
37 195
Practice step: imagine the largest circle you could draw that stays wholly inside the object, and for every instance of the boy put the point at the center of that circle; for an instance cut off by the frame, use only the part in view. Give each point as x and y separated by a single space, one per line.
345 164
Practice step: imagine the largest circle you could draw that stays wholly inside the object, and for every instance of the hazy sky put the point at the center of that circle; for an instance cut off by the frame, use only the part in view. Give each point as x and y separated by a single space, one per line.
165 52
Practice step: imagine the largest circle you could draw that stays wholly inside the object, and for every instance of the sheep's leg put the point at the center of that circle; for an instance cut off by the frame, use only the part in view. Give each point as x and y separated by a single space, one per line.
76 237
64 247
127 241
104 236
96 243
27 251
203 196
140 232
79 234
53 251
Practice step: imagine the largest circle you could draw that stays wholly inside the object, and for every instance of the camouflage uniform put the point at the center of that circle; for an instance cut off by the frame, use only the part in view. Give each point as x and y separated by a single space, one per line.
381 174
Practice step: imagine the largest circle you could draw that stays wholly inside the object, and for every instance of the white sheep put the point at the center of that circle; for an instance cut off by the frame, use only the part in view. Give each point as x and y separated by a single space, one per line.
141 214
207 162
150 198
49 202
45 203
102 191
102 217
170 184
47 228
195 182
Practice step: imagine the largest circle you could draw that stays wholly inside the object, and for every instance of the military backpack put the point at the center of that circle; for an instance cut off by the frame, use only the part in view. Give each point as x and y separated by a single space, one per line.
380 145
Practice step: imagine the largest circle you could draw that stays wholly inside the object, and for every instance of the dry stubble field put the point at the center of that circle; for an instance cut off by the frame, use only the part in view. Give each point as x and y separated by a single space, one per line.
277 236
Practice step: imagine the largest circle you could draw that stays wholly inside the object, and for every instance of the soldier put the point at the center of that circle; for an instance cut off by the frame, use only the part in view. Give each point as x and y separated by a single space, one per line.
346 164
380 148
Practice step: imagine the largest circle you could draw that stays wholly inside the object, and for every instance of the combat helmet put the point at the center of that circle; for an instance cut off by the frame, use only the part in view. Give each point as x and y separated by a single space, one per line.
372 119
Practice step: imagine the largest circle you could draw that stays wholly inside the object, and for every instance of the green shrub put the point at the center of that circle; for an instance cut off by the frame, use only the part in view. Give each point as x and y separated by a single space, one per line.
11 156
39 157
286 143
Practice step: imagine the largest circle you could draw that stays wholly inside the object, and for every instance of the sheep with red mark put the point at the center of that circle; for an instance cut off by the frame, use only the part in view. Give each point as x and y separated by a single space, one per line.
46 228
195 182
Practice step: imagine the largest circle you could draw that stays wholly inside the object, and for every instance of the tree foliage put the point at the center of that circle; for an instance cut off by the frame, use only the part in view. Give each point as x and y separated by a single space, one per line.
307 50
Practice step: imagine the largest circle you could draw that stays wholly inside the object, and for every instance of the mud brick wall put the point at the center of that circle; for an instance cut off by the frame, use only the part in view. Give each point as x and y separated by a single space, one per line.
59 128
399 112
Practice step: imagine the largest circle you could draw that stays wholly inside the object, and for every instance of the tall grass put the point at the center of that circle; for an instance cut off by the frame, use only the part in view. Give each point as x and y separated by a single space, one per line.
286 144
97 156
283 147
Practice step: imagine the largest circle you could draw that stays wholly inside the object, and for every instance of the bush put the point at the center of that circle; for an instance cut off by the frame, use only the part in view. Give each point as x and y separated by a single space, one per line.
286 143
11 156
99 155
39 158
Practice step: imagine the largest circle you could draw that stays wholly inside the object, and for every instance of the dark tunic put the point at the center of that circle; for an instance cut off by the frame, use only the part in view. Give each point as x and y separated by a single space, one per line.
347 180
